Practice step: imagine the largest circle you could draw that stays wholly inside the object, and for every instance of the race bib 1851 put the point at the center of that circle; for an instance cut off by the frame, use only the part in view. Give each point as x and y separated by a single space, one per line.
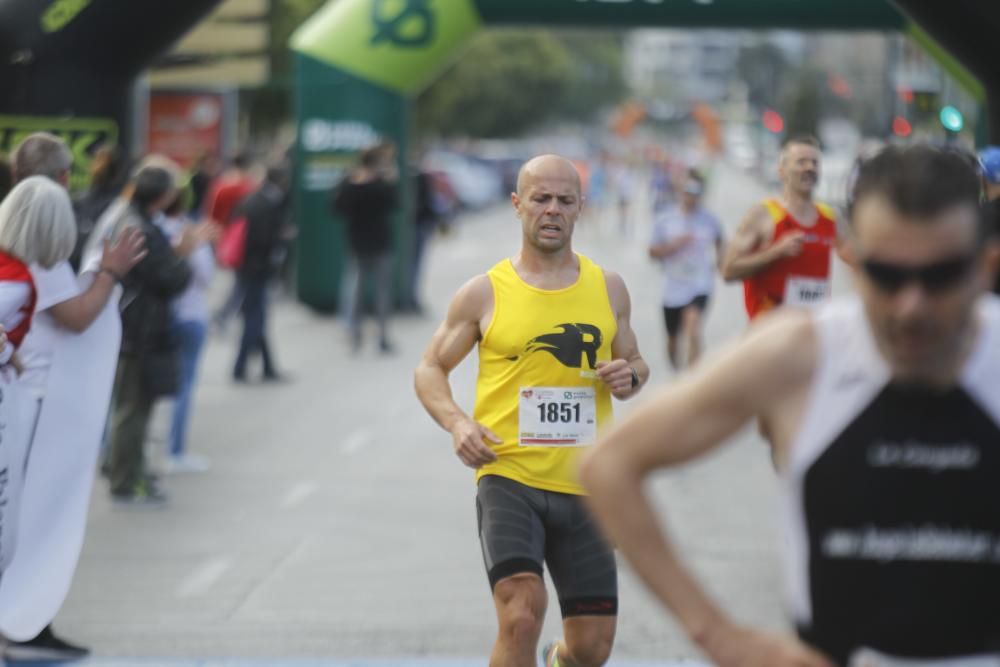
557 416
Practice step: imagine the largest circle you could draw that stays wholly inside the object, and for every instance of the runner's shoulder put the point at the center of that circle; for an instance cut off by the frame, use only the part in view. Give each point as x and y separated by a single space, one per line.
785 344
473 299
759 216
827 211
616 284
617 291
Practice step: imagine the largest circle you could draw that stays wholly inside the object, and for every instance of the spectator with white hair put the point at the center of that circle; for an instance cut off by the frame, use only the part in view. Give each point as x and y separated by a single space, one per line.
65 344
36 228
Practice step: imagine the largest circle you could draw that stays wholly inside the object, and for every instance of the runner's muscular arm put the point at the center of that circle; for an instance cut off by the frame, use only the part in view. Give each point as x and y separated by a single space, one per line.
746 254
617 373
687 420
452 342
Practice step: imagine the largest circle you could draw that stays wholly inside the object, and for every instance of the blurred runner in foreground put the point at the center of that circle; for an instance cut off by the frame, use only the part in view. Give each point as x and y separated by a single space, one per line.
884 415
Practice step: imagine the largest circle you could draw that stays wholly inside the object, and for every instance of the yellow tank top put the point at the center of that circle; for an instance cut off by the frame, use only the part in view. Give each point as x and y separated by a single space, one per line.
537 389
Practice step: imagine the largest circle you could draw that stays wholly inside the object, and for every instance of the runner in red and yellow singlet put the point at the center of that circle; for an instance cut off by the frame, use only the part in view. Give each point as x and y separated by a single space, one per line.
783 246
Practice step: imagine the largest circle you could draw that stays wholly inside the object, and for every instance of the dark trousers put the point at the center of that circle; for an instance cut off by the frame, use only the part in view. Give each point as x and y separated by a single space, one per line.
129 419
254 325
377 269
422 235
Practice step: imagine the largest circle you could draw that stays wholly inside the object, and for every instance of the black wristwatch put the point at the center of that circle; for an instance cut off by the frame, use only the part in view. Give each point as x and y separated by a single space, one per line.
635 378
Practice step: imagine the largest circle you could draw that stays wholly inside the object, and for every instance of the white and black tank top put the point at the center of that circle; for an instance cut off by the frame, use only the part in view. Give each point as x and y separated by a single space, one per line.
891 501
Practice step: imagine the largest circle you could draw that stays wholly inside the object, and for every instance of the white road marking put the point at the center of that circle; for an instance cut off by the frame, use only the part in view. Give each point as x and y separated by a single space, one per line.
357 441
204 577
297 494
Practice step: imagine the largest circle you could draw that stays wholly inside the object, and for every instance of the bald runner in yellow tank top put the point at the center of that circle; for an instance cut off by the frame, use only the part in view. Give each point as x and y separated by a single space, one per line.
538 389
555 344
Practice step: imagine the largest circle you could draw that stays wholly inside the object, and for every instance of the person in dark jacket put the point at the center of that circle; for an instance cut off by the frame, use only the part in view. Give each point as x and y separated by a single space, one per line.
365 199
425 219
267 236
205 169
107 177
148 360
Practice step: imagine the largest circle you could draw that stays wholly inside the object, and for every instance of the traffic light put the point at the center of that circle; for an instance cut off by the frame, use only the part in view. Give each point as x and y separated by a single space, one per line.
773 121
952 119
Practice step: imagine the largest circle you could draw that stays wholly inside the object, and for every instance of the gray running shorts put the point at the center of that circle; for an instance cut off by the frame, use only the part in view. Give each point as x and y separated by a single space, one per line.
521 527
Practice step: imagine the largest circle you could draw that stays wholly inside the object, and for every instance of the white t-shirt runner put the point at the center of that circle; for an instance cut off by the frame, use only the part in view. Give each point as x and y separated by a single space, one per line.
690 272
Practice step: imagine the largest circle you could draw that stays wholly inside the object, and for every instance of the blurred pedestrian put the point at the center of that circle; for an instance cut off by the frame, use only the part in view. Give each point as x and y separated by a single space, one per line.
68 366
148 364
425 220
626 188
224 195
107 177
190 323
365 199
688 241
205 170
267 236
598 183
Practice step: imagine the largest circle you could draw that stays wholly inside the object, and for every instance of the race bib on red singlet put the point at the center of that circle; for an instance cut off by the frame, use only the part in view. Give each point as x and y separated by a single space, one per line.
801 291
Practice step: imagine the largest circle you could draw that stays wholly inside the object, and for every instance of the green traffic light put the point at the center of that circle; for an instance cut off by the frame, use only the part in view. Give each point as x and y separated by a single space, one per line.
952 119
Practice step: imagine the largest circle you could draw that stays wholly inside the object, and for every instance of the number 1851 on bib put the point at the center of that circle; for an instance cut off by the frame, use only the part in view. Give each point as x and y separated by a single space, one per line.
557 416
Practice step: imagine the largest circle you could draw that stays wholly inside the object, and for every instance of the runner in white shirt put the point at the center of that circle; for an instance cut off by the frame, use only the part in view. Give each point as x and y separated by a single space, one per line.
883 413
688 241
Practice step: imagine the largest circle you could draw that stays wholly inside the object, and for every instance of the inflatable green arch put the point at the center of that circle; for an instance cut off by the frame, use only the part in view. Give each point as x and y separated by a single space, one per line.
359 62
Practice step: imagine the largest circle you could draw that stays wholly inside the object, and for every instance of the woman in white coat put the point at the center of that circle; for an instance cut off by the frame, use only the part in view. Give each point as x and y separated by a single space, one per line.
36 227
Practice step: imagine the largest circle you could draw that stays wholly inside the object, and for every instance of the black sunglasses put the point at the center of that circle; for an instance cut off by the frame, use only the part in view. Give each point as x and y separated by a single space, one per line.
936 277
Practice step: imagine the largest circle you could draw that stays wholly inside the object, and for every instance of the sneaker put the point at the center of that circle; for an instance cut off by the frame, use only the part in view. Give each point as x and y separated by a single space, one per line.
186 463
45 647
550 654
144 493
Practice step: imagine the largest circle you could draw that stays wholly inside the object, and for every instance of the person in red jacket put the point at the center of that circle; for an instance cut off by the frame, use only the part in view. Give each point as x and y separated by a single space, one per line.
229 190
221 206
783 246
